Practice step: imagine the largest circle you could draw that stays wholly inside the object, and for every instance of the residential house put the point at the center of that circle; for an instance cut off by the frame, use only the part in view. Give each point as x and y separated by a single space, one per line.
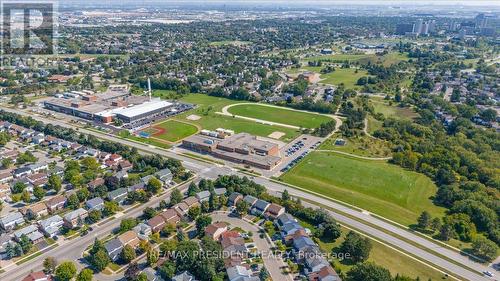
38 167
11 220
165 175
234 198
5 192
326 273
119 195
31 232
125 165
129 238
136 187
95 183
215 230
203 195
250 200
181 209
151 274
260 207
95 204
75 218
283 219
121 174
114 248
274 210
170 216
5 240
220 191
36 210
240 273
156 223
51 226
56 203
37 276
191 201
22 172
183 276
6 176
143 231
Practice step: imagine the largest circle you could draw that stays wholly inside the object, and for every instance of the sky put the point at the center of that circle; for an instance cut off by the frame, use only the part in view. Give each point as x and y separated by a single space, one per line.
310 2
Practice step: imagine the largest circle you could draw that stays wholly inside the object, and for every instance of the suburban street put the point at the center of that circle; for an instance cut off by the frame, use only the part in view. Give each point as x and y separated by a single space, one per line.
462 266
73 249
273 263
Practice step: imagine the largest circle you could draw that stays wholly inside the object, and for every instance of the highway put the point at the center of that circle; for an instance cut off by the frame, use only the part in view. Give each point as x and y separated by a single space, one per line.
462 267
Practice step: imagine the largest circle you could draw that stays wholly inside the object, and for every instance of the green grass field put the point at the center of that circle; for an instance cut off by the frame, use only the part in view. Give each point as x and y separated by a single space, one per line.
382 106
279 115
362 146
386 60
394 261
348 76
174 131
207 106
379 187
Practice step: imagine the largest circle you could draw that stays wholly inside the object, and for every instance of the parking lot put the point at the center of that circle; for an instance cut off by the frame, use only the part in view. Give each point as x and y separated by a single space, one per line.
295 151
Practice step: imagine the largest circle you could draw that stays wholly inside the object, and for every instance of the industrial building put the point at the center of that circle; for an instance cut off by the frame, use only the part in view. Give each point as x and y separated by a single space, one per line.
240 148
116 103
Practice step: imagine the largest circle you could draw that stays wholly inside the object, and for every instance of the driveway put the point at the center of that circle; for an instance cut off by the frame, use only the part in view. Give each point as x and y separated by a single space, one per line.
273 263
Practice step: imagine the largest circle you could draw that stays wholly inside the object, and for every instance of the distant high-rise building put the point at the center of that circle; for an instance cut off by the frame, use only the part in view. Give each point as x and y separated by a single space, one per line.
404 28
432 26
425 28
418 26
481 21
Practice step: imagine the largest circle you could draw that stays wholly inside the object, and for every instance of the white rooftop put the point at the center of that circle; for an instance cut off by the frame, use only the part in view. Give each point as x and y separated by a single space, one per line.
146 107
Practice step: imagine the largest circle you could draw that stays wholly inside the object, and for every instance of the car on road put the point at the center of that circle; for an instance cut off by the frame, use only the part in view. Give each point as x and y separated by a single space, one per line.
488 273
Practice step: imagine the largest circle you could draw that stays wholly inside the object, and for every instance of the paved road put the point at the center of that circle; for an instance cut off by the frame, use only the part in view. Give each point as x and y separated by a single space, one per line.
203 169
273 263
72 249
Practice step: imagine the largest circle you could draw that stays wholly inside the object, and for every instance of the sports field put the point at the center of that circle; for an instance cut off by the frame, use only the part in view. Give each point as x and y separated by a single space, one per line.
279 115
207 106
376 186
171 130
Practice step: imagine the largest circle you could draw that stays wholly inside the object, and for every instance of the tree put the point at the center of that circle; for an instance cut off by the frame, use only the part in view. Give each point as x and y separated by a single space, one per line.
54 182
38 192
368 271
435 224
65 271
98 257
94 216
175 197
49 265
192 189
446 232
132 271
25 243
73 202
83 194
485 248
167 270
194 212
202 222
127 224
331 230
149 213
424 220
128 254
85 275
285 196
18 187
264 274
154 185
26 196
7 163
242 207
110 208
358 247
153 256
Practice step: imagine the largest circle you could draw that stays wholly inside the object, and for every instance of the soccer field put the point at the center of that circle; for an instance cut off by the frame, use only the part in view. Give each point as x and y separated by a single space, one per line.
376 186
279 115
